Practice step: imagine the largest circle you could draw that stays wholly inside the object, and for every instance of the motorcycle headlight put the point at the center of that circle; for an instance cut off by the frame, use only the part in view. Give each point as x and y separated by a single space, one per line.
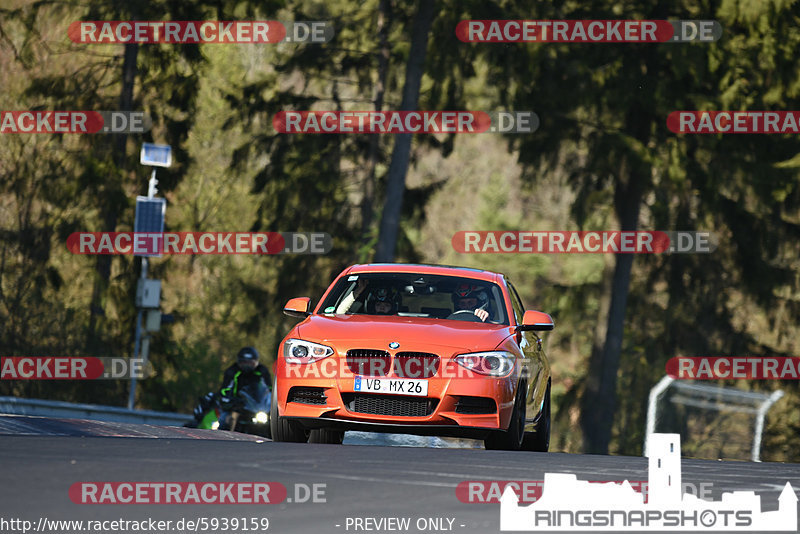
300 351
493 363
261 417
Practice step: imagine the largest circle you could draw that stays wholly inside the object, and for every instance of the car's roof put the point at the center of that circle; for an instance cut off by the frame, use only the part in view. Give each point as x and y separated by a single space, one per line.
417 268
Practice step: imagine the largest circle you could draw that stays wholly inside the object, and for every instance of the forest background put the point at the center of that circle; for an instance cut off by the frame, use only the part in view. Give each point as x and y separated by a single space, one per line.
602 159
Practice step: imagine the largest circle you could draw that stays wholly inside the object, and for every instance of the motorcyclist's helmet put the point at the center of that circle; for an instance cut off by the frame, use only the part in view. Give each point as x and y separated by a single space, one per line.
247 358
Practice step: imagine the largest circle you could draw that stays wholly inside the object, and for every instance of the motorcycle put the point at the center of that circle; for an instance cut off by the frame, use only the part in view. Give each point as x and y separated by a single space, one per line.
249 414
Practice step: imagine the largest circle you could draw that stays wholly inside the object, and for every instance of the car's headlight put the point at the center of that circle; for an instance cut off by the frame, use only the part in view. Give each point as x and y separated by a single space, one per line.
261 417
300 351
494 363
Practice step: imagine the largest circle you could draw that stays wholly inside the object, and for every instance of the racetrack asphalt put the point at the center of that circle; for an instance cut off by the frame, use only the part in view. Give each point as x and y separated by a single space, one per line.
40 458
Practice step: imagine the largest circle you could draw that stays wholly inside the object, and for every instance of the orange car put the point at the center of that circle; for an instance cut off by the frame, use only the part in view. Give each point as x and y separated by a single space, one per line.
415 349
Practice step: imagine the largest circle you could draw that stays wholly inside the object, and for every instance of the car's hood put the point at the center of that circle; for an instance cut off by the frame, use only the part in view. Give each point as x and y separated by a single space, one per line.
412 333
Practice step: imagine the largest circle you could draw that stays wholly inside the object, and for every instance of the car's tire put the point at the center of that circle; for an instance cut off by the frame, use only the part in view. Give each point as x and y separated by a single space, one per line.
539 441
283 429
268 429
325 435
511 439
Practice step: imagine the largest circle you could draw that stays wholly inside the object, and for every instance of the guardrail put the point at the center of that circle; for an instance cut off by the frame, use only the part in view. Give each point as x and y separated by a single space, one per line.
94 412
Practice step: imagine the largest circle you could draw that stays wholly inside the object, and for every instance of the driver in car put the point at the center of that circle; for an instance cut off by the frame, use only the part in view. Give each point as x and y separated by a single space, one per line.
471 298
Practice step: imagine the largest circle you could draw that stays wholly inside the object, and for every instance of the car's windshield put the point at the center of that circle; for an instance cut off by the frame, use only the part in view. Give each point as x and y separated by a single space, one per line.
417 295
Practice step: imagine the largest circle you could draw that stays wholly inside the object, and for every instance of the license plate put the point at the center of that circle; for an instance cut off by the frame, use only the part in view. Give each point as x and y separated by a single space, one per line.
392 386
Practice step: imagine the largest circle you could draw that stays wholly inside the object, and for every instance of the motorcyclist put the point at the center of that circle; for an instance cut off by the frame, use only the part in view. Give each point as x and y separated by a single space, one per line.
472 298
244 372
206 403
241 374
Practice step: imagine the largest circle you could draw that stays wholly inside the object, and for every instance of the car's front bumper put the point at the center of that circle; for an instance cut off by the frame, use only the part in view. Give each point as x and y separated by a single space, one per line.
449 408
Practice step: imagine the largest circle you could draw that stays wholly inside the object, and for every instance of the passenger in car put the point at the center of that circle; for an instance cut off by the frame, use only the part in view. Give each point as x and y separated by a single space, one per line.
381 300
347 302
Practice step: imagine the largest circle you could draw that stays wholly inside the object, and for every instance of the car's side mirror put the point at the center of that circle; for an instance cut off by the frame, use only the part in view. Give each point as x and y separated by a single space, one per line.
298 307
536 321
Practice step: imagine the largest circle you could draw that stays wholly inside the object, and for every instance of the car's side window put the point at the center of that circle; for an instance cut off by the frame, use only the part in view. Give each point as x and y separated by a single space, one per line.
516 303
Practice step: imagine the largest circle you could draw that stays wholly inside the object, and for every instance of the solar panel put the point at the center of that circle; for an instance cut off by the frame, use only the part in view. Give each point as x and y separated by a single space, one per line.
149 217
155 155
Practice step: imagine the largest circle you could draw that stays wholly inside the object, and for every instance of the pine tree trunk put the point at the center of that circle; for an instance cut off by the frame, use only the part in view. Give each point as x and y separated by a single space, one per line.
396 178
367 208
109 210
600 395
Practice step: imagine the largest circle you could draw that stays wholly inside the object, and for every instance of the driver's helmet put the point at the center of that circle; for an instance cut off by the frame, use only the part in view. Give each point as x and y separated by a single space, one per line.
465 290
383 294
247 358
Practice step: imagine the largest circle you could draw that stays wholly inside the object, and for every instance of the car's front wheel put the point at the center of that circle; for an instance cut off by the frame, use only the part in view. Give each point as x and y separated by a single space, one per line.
283 429
539 441
512 439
